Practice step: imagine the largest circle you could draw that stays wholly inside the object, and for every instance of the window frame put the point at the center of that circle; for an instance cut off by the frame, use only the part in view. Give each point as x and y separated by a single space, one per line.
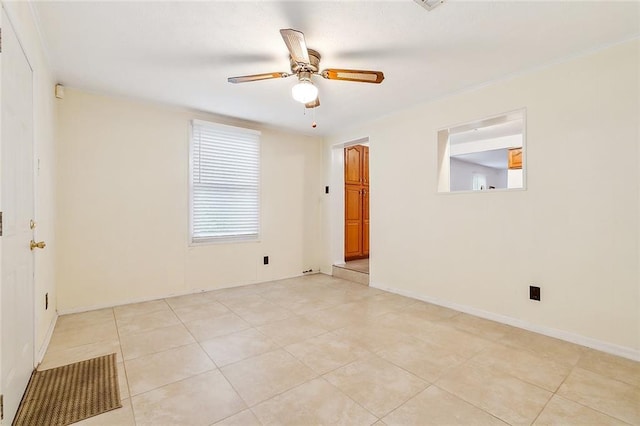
226 239
442 151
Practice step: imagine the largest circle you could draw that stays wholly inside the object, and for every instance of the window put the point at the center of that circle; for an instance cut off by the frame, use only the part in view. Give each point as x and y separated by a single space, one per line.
225 183
479 182
483 154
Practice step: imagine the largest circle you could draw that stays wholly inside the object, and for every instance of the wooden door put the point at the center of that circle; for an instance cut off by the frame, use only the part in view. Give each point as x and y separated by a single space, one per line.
17 203
353 222
356 202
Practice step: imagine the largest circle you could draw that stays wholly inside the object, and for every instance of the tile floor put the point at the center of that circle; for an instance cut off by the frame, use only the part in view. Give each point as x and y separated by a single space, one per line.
320 350
360 265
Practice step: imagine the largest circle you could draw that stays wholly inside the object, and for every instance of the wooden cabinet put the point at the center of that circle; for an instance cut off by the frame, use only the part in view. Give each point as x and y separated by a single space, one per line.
353 165
353 231
356 202
365 221
515 158
365 165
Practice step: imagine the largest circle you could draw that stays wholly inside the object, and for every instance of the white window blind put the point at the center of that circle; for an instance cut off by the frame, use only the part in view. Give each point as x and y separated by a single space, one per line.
225 182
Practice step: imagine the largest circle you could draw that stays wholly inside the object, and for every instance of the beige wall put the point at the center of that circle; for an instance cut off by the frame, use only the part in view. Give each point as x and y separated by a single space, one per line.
22 19
574 231
123 206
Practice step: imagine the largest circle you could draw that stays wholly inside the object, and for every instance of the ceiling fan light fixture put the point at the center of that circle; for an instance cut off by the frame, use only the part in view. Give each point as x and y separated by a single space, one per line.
304 91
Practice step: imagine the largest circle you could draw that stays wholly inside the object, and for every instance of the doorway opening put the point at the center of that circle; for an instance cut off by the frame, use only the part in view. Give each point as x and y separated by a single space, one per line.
351 220
356 202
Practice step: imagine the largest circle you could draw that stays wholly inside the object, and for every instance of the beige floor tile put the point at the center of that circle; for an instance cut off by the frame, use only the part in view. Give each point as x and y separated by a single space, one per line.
306 305
287 296
194 299
335 296
456 341
209 328
158 340
327 352
355 288
201 312
425 360
123 384
560 411
336 317
404 322
243 418
372 336
433 406
326 325
236 295
199 400
141 308
146 322
84 319
611 366
544 346
376 384
477 326
429 311
264 376
291 330
120 416
235 347
70 338
261 312
320 279
617 399
383 303
506 397
58 357
312 403
524 365
152 371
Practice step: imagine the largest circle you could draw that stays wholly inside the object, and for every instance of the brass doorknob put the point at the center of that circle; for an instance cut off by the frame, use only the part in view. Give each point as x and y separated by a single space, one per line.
39 244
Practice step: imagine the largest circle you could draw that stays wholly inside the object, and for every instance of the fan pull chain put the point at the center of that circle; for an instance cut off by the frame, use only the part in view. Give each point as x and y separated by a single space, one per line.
314 124
313 116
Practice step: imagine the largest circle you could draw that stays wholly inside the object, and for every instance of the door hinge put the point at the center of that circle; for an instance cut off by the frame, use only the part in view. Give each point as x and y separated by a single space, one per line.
0 224
1 407
0 40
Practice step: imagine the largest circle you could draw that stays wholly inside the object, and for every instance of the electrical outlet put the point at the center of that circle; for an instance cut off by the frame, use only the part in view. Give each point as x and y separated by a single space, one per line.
265 260
534 293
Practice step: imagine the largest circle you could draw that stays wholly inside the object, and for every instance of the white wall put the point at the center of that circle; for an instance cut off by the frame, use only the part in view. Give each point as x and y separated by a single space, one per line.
23 21
574 231
123 206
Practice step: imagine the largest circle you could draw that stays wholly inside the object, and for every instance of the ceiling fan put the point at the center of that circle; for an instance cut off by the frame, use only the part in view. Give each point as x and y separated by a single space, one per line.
304 64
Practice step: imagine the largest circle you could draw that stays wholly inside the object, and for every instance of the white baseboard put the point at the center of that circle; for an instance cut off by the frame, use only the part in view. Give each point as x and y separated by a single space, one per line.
589 342
47 339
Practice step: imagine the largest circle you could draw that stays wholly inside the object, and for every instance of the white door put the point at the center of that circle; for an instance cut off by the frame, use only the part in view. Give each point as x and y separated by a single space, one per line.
17 204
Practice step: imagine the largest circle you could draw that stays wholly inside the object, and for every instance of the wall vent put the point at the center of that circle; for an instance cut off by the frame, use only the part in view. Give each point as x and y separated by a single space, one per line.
429 4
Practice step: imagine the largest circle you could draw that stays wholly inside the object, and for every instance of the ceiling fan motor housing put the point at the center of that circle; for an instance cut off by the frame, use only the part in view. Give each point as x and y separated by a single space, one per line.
313 66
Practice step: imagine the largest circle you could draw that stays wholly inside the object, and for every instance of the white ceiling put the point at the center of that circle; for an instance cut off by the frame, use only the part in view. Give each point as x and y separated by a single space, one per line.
181 53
